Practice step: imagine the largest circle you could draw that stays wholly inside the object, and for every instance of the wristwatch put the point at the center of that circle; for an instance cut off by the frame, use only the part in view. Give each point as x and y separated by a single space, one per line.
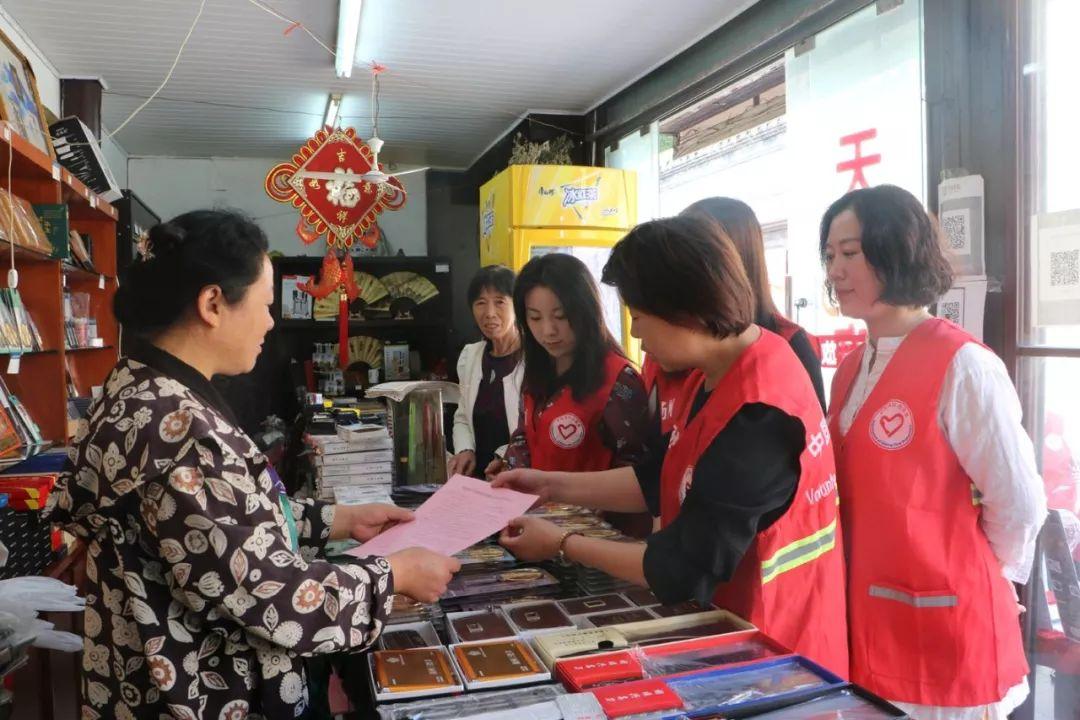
561 556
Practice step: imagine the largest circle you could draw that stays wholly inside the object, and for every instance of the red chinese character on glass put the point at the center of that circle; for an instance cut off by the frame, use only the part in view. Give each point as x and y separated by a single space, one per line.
860 162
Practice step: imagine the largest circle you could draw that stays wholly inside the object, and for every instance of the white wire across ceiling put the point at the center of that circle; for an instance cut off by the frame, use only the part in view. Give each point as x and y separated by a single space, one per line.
459 73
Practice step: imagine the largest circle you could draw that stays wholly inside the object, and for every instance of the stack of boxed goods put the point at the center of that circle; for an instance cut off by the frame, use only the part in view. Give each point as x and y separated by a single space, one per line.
355 463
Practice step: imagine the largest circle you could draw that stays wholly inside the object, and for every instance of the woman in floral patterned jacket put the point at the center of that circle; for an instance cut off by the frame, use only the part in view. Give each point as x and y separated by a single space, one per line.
204 587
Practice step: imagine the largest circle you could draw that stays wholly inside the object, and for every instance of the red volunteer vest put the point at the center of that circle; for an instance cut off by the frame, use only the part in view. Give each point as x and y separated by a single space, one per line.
787 329
1058 465
933 621
566 434
790 582
668 388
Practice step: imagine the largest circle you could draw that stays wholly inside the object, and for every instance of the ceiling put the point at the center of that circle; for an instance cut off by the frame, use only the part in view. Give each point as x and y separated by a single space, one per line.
459 72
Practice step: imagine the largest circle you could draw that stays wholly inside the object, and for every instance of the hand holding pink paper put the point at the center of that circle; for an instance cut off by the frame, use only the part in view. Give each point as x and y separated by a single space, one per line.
460 514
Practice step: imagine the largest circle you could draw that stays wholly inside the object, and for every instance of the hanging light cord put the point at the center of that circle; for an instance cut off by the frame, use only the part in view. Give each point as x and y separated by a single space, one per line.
168 76
13 274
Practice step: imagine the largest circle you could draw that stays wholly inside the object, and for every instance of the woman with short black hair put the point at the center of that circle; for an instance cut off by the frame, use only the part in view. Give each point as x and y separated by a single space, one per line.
583 403
941 501
739 221
746 489
489 374
203 586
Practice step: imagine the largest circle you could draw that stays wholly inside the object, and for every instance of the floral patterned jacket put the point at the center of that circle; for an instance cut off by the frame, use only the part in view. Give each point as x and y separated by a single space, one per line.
197 605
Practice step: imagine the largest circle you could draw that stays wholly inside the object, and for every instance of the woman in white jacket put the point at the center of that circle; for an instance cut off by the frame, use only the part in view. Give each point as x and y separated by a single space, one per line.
490 373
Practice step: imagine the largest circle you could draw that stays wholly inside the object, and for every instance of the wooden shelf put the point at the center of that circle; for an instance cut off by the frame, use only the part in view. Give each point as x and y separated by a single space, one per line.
90 348
27 161
79 273
391 323
84 203
22 255
40 383
27 353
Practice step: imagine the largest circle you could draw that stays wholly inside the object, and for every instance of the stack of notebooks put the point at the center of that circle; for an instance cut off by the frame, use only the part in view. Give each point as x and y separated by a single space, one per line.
355 465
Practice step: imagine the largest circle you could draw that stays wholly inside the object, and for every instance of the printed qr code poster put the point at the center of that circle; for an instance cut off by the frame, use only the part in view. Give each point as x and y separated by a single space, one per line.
956 230
965 304
1057 272
951 306
960 220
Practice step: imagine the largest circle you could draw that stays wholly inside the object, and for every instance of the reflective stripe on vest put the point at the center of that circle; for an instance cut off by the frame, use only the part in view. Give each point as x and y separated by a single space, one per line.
799 553
918 601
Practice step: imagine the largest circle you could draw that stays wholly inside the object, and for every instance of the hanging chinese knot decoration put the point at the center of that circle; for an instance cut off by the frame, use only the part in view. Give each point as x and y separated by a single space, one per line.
343 209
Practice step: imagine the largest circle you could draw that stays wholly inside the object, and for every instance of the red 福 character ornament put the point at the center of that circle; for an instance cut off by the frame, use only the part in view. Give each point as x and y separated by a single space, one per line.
325 183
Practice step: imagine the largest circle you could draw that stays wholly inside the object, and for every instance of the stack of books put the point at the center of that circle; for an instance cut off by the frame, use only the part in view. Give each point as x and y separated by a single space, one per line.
355 465
20 436
18 331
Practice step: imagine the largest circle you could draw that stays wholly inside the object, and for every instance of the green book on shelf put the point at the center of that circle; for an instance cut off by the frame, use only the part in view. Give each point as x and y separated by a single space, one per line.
55 223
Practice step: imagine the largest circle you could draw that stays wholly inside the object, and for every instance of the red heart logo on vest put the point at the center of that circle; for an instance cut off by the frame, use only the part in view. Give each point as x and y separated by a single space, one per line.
567 430
891 424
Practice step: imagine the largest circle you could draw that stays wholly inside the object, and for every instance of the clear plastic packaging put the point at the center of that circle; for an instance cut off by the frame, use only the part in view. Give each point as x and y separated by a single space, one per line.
21 599
705 654
754 683
466 706
840 705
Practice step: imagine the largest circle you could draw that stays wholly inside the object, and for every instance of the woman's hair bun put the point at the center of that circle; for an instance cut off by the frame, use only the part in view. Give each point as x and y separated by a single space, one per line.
183 256
164 239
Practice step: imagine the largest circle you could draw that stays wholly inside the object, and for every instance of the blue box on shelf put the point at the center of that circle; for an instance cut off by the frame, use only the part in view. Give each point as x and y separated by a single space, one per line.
752 689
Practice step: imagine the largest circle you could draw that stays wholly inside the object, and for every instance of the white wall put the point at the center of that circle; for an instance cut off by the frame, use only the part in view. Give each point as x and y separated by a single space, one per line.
48 81
48 86
171 186
117 159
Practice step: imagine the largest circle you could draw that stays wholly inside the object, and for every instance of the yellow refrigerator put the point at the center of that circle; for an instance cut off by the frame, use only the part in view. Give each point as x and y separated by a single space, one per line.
532 210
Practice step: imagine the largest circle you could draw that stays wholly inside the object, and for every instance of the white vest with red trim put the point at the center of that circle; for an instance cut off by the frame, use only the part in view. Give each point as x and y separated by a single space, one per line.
932 619
565 435
790 582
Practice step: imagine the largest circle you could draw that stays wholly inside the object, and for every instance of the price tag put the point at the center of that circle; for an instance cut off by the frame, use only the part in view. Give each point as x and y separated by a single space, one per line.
13 364
55 172
101 282
442 268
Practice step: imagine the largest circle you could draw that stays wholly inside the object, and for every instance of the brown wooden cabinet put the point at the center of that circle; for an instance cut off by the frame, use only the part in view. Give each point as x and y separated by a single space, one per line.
47 686
40 380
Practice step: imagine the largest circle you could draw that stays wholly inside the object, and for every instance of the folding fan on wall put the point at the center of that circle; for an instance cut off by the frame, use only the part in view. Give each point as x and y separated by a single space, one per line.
408 290
367 350
325 308
372 291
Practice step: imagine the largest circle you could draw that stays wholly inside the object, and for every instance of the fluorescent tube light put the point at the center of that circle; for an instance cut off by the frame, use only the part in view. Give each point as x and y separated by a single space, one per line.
333 107
348 33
